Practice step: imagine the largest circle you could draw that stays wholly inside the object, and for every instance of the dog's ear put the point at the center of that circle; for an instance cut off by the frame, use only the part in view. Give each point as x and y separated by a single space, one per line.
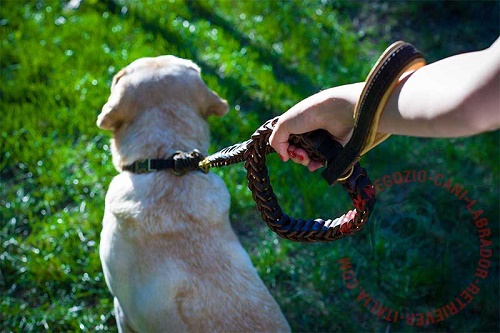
109 118
216 105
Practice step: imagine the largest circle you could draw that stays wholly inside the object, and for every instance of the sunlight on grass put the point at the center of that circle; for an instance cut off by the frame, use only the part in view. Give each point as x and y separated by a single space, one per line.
263 57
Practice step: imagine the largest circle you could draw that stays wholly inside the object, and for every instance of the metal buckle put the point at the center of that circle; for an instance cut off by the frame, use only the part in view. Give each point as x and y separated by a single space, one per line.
141 166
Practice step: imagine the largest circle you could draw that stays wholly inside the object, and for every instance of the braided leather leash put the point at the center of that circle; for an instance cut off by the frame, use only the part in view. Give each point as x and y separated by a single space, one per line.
320 146
341 162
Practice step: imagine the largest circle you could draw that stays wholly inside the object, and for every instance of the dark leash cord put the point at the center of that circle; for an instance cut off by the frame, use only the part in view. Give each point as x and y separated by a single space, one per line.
319 146
341 163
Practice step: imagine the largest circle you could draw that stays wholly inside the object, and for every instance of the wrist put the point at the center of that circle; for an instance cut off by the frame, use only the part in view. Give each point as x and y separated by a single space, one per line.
337 111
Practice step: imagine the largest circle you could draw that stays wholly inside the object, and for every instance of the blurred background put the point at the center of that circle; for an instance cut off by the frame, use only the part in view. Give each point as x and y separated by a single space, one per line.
415 262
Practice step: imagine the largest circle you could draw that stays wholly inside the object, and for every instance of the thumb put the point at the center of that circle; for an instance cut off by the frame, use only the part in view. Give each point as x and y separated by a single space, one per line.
279 141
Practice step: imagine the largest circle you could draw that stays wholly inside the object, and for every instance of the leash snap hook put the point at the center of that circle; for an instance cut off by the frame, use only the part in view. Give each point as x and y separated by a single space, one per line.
204 165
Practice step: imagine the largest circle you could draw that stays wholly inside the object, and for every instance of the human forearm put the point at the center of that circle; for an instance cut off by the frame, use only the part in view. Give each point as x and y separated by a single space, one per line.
457 96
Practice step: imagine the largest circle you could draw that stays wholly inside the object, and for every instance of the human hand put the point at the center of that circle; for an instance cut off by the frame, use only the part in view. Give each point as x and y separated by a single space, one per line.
330 109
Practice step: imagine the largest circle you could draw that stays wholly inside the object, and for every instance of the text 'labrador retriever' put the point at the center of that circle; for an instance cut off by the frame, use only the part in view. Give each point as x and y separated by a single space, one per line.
169 254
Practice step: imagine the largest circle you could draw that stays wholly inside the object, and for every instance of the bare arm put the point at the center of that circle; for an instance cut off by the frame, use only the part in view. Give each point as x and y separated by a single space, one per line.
457 96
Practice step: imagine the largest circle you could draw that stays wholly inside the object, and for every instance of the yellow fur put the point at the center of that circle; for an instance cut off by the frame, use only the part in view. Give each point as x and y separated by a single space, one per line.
169 254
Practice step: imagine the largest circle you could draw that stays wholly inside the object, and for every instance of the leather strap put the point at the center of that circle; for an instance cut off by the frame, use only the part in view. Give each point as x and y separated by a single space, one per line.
396 60
179 163
149 165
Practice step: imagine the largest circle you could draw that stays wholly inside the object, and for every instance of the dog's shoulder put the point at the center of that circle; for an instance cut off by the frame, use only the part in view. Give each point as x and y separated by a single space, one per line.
145 198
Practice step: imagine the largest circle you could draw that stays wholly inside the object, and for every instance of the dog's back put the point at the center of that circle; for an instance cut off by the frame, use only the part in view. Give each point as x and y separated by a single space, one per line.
174 263
169 254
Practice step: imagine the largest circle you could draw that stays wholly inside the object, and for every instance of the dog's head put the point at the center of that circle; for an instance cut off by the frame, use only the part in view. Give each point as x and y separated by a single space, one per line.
152 82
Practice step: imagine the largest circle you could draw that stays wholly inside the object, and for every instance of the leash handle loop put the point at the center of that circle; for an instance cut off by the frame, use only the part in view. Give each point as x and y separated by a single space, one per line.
341 162
397 59
318 146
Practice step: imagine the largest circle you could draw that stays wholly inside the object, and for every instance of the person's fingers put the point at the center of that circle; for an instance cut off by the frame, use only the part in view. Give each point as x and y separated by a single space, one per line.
294 121
314 165
298 155
282 150
279 141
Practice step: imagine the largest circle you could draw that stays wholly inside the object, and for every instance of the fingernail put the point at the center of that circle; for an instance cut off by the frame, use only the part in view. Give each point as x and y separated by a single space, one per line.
300 157
292 154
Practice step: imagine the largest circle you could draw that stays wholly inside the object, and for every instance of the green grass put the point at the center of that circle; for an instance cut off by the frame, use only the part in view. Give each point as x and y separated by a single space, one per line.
420 248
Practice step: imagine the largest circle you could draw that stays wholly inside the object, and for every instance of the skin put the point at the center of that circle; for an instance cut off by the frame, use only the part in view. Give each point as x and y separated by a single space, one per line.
454 97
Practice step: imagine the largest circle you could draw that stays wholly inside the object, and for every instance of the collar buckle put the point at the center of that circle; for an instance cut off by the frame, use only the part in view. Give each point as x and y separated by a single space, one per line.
141 166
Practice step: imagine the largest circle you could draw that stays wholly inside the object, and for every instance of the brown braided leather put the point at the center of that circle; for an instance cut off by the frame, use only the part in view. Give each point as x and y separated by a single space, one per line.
254 152
341 162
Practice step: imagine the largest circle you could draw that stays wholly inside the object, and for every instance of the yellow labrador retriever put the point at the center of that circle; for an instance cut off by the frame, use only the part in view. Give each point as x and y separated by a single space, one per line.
169 255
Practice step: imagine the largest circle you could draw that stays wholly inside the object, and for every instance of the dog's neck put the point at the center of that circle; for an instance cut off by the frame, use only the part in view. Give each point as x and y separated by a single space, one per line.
157 134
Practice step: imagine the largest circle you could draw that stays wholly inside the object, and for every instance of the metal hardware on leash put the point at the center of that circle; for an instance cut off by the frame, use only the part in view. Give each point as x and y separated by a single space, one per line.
204 166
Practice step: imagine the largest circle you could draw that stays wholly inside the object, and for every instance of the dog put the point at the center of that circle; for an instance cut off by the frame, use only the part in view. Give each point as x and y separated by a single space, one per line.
170 257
